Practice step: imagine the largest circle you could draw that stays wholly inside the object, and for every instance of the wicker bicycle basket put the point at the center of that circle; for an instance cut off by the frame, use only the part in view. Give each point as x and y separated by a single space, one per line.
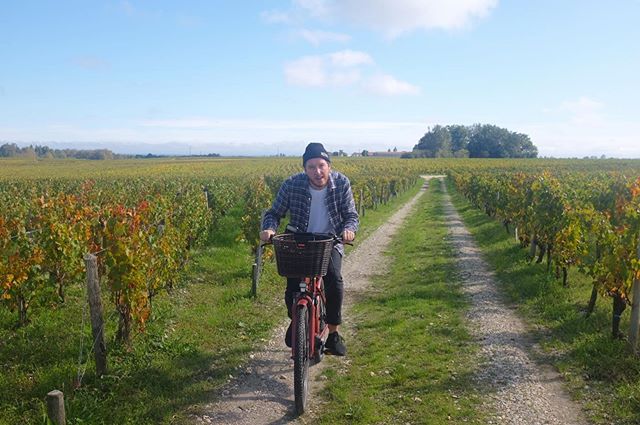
302 256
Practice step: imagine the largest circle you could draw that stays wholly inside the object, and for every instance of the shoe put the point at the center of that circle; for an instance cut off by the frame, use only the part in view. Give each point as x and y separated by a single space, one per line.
287 336
335 344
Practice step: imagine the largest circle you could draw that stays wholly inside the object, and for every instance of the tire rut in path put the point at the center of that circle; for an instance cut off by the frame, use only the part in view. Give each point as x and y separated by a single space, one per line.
262 393
521 391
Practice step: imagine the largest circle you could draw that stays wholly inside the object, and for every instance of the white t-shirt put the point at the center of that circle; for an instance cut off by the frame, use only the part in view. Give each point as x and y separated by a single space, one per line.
318 214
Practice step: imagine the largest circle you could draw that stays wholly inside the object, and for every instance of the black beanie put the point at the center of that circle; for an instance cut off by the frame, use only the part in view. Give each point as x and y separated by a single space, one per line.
315 150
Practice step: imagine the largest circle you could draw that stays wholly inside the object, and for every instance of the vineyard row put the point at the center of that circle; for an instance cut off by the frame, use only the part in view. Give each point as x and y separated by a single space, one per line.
584 219
141 229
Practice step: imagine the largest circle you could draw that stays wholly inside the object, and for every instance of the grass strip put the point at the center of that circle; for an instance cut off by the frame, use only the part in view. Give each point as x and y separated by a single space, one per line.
598 370
197 338
411 358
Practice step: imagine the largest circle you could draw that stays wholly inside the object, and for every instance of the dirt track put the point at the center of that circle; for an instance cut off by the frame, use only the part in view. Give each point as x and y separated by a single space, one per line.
519 390
263 393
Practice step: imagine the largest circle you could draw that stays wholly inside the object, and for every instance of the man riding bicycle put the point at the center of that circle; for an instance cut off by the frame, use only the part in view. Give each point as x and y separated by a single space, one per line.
319 201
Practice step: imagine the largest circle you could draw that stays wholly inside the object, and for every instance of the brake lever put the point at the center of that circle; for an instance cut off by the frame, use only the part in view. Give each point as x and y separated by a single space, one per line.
338 239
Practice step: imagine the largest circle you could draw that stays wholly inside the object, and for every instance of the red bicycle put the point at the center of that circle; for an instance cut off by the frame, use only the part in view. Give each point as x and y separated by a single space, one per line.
305 256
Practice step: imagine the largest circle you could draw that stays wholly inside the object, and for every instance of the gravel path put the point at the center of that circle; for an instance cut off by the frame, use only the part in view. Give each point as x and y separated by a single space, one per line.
522 392
263 392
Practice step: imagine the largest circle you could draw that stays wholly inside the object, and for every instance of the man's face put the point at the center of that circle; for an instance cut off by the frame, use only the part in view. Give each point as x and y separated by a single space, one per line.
317 169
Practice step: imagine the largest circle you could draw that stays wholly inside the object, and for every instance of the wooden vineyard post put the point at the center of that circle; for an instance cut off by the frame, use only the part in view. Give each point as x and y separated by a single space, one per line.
95 307
361 201
257 265
257 269
55 407
635 309
206 196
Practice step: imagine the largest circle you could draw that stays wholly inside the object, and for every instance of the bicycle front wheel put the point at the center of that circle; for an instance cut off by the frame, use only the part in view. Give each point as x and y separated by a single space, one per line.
301 359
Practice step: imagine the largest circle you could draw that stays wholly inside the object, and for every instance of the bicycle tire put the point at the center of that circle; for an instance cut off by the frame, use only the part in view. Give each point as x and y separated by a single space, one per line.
319 347
301 360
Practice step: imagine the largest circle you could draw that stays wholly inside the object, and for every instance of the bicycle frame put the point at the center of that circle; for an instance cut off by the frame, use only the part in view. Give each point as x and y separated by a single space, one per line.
309 330
311 294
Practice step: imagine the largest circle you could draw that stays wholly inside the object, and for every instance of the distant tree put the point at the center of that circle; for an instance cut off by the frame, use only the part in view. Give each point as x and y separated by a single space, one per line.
42 151
476 141
28 153
395 149
486 141
9 149
520 146
365 153
459 140
436 143
462 153
491 141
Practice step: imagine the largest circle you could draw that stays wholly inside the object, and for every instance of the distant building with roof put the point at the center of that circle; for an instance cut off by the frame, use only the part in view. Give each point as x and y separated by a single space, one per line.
388 154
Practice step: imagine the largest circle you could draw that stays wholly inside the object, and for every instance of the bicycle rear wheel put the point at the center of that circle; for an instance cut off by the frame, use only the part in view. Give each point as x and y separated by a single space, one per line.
301 359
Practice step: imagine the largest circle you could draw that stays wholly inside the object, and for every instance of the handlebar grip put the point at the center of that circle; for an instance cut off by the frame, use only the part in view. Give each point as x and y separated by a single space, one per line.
342 241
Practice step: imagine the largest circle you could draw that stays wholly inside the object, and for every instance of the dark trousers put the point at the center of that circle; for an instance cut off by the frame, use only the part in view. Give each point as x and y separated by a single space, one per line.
333 289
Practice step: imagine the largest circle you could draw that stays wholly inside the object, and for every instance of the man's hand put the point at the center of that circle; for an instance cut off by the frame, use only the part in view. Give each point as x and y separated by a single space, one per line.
265 235
348 235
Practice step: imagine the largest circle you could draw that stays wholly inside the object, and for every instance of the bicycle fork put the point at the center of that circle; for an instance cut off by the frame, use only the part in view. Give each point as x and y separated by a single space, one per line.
311 296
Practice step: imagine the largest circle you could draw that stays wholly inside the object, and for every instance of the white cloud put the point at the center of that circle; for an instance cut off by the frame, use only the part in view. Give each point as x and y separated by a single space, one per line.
262 137
250 136
400 16
330 70
349 58
225 136
583 110
571 139
579 128
307 71
388 85
317 37
275 17
183 123
341 69
214 123
317 8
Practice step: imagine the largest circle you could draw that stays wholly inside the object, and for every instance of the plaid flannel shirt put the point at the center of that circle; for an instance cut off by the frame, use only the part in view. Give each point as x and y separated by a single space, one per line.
294 196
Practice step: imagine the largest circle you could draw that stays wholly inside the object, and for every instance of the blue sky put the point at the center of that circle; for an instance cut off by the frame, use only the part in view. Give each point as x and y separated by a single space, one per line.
265 77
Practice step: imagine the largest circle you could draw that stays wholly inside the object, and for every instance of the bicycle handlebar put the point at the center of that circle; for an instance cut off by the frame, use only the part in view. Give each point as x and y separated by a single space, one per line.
336 239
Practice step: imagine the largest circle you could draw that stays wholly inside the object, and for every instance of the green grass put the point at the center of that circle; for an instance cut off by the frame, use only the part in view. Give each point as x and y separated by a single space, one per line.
198 336
598 370
410 360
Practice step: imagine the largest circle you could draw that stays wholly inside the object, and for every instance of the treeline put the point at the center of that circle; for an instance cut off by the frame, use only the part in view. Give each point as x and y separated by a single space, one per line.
150 156
11 150
475 141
